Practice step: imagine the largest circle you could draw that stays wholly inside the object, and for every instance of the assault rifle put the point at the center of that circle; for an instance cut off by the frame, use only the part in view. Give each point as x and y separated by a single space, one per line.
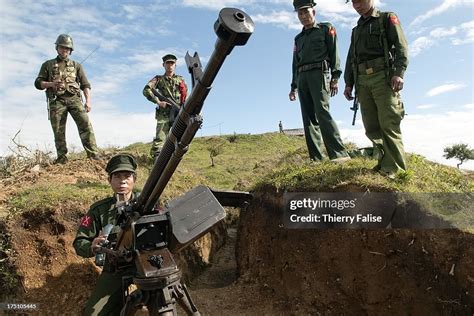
148 239
355 108
174 106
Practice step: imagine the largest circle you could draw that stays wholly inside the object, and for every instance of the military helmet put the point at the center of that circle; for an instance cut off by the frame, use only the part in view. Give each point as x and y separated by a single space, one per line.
64 40
302 4
121 162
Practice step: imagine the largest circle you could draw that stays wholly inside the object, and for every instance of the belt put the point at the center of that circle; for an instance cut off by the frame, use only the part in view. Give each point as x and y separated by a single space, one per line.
310 66
67 100
371 66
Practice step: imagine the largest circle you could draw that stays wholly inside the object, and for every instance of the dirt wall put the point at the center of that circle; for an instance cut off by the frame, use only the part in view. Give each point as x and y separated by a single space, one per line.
384 271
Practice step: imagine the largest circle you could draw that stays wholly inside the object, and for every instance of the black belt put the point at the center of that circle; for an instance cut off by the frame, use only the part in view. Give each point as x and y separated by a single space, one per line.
371 66
311 66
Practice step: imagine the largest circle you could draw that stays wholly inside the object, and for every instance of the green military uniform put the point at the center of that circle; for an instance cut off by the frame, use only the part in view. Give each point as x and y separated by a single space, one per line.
67 100
106 298
315 63
173 88
369 69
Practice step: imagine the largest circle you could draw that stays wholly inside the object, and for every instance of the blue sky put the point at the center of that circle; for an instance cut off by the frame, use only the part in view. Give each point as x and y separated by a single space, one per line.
250 94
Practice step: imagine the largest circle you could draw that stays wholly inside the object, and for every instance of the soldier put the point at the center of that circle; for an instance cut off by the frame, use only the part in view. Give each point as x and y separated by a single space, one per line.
376 62
315 74
171 86
106 299
63 80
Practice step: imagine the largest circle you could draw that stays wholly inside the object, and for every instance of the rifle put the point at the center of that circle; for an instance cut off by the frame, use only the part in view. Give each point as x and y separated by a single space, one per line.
355 108
174 106
148 239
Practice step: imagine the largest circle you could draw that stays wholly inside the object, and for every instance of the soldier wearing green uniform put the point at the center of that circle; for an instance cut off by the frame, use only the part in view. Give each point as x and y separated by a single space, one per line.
63 80
171 86
106 299
376 63
316 71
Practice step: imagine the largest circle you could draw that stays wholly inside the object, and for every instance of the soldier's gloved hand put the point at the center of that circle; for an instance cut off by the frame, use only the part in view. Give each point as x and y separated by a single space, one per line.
98 242
292 95
348 93
397 83
333 87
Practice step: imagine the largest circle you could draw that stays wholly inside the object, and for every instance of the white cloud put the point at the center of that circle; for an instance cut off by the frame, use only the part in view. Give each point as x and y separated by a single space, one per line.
469 106
428 142
426 106
217 4
445 88
458 35
440 32
439 9
283 19
466 30
420 44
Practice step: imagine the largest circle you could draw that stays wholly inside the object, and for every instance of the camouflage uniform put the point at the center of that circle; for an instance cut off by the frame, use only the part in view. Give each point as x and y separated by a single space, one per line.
315 63
368 68
67 100
171 87
106 298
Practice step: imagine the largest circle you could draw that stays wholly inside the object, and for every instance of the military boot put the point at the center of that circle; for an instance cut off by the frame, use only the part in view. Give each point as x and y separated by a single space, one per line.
95 157
61 160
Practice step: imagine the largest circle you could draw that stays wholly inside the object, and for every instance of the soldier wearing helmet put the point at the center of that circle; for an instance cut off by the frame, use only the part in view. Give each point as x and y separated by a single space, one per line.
106 298
63 80
316 70
171 86
376 63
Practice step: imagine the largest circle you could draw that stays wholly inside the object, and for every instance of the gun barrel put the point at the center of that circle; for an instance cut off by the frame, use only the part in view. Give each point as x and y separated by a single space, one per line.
233 28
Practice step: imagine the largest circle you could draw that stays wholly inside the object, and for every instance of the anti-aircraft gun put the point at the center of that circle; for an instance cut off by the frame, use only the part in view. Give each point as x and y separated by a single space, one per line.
148 239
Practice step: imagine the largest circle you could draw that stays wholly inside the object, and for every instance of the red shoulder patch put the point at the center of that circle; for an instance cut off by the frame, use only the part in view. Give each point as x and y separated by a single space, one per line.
394 20
86 221
332 31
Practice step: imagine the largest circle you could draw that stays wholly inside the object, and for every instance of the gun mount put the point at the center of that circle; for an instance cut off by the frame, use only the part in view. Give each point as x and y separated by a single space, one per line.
148 239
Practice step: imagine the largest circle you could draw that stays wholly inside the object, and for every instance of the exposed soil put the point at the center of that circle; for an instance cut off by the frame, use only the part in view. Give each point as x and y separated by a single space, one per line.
356 272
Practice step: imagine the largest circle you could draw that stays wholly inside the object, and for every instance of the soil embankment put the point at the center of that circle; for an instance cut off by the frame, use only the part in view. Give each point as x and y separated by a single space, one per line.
384 271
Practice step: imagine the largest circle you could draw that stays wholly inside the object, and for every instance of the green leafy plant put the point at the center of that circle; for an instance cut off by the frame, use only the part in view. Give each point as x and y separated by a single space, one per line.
461 152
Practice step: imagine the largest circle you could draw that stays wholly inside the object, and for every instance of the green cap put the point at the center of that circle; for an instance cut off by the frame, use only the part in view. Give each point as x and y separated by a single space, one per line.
303 4
121 162
169 57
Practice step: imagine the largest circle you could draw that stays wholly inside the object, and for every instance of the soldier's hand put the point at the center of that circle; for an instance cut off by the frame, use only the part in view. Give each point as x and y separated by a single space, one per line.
97 242
333 87
397 83
88 107
292 95
162 104
57 84
348 93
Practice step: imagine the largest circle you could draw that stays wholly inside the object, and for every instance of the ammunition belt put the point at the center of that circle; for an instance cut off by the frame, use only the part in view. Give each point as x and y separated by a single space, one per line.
371 66
311 66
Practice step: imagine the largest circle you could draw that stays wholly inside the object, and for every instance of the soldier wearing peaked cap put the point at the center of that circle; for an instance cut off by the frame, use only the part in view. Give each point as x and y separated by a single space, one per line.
316 71
106 298
171 86
376 63
63 80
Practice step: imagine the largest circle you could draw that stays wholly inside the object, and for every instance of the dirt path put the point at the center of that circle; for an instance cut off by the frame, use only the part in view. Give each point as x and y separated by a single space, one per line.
217 291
